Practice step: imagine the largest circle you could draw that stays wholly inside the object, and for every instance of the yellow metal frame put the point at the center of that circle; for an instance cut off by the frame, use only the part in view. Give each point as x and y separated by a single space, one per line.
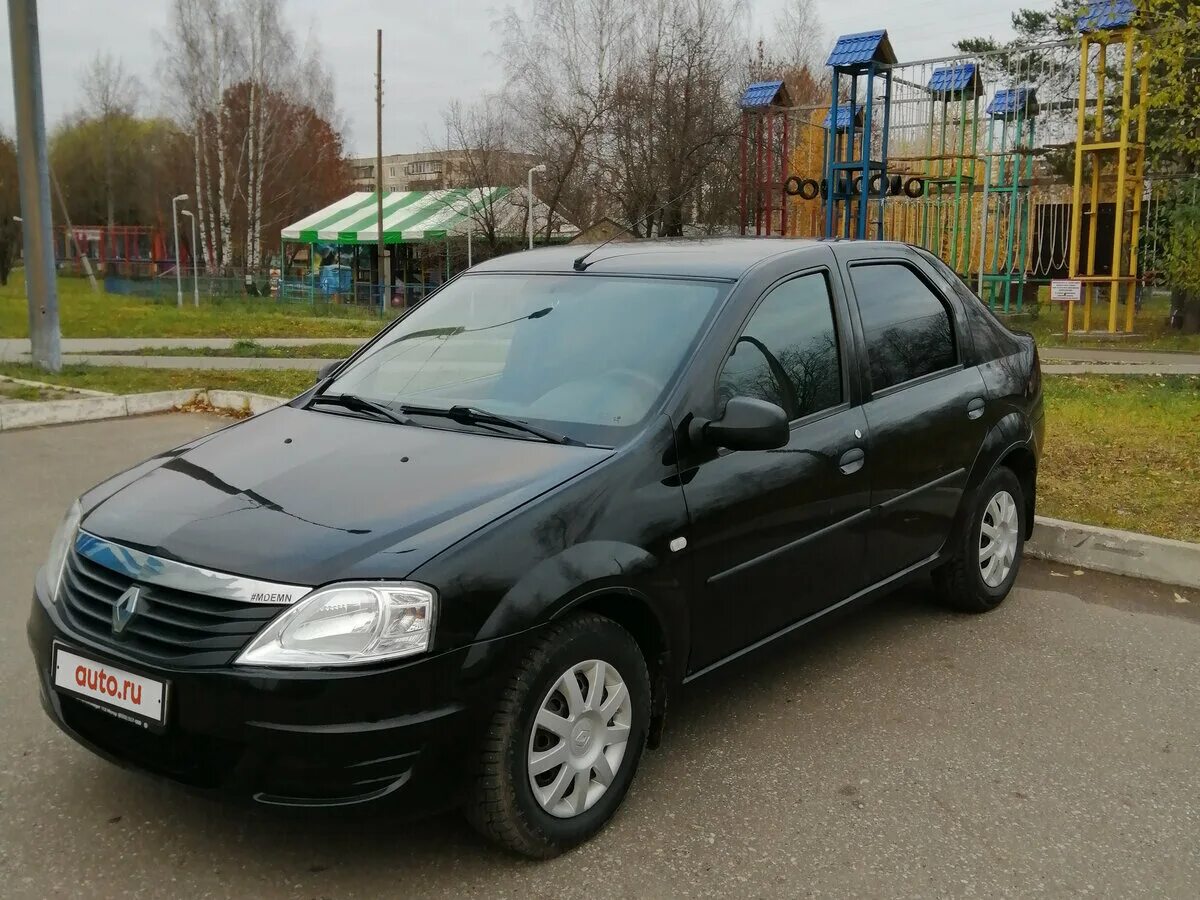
1127 154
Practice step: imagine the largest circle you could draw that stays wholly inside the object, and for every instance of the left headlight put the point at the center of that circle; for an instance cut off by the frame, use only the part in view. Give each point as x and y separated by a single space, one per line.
346 625
60 546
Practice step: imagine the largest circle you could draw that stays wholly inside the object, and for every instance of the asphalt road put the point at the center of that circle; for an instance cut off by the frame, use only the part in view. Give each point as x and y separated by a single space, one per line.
1051 748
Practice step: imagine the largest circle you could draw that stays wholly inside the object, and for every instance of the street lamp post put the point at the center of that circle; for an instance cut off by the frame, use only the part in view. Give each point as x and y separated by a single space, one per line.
538 168
195 268
178 275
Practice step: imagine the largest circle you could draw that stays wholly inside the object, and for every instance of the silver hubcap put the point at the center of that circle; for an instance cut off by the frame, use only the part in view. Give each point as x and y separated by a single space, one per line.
998 539
579 738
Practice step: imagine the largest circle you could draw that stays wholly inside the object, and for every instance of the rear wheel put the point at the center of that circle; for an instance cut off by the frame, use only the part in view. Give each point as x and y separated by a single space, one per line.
987 554
565 740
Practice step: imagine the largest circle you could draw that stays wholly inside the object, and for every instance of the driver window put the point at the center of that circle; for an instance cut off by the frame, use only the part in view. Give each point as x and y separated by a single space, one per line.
788 353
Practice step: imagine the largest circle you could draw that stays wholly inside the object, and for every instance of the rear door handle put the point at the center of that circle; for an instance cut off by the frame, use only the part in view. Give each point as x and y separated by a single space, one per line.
852 460
975 408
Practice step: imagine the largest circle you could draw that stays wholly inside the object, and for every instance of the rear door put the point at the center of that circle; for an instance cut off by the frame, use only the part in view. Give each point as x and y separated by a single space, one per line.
780 534
925 403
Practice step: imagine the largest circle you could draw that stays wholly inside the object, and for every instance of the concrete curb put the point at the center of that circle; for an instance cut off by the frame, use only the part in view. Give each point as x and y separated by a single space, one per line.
86 409
1118 552
83 392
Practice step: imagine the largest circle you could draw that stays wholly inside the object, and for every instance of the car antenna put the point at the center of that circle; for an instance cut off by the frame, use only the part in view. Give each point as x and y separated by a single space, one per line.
581 263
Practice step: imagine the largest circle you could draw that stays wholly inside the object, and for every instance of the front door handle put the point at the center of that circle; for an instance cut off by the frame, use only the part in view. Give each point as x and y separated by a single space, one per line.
852 460
975 408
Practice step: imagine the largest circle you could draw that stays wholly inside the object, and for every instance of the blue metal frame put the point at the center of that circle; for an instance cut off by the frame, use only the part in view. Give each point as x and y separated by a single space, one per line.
866 53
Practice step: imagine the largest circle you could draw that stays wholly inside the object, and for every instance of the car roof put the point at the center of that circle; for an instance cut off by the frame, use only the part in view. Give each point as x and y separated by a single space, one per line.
696 257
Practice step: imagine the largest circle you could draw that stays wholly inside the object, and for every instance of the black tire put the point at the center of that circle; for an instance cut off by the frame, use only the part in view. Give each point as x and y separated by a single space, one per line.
960 582
501 804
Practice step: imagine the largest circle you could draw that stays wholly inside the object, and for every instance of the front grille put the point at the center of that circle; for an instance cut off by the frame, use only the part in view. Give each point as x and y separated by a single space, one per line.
170 626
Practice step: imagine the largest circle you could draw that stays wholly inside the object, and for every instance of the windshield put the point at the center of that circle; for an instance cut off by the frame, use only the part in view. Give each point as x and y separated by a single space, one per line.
586 355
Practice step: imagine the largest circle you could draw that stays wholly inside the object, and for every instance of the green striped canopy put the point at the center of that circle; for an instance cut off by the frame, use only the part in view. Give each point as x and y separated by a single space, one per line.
407 216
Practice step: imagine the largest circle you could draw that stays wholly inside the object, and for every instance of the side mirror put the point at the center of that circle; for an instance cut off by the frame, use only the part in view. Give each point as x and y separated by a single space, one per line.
326 370
748 424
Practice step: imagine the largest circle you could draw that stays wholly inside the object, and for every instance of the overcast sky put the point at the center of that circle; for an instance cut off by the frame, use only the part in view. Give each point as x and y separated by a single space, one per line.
433 51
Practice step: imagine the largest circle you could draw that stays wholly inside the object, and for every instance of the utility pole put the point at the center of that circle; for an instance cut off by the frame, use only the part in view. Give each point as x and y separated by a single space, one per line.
33 167
384 269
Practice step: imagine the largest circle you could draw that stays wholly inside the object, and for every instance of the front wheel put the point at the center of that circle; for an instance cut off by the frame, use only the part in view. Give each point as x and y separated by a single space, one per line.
988 552
565 739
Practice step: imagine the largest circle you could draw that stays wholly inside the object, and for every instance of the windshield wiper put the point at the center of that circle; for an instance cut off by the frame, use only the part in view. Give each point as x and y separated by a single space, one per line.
473 415
359 404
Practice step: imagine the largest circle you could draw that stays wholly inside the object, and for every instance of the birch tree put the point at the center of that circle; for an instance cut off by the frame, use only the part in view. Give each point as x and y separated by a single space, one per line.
111 95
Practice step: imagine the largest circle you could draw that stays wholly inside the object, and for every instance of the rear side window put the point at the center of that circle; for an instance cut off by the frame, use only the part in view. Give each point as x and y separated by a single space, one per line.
788 353
991 338
907 326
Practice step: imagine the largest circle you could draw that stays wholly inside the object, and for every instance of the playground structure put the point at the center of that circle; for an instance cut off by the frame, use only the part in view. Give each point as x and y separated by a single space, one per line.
1109 26
969 156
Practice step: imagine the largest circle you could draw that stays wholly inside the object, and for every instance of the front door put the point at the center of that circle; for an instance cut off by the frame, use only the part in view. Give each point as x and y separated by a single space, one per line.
780 534
925 409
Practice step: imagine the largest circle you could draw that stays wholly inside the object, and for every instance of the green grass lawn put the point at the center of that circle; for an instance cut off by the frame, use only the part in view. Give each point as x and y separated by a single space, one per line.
122 380
247 349
1123 452
83 313
1150 326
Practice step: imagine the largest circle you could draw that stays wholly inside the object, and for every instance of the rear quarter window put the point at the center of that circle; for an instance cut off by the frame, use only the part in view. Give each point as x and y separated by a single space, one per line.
991 339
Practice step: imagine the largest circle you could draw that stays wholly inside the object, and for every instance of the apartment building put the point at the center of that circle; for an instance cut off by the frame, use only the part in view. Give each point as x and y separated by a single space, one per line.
433 170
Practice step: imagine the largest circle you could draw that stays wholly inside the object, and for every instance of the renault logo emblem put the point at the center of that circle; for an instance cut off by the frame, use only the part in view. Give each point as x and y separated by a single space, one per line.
126 606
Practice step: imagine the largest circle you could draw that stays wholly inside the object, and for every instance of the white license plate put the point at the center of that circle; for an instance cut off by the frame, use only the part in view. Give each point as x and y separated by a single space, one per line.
126 695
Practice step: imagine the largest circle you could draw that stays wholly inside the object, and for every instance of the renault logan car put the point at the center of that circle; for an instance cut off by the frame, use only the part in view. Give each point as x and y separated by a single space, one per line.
474 562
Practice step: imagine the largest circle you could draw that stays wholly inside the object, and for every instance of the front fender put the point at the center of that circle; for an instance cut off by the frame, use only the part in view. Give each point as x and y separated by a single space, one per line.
567 580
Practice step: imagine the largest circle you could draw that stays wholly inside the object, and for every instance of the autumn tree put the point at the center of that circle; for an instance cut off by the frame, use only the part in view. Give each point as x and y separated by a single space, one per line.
111 95
245 89
10 205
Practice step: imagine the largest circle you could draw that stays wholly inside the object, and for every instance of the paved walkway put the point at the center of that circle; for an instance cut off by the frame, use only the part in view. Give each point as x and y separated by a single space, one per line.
17 349
94 351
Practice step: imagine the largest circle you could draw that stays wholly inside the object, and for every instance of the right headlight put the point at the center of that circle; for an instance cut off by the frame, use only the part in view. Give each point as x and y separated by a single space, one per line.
60 547
347 624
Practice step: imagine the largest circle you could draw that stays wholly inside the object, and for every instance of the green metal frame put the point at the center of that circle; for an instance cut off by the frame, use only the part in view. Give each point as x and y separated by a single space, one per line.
1014 167
959 182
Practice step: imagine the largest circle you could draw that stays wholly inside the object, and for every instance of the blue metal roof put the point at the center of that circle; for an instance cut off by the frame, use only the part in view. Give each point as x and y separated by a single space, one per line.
843 117
1012 102
1105 14
862 48
761 93
960 78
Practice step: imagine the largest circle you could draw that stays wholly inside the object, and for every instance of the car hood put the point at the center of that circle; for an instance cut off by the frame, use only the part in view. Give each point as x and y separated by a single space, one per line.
307 497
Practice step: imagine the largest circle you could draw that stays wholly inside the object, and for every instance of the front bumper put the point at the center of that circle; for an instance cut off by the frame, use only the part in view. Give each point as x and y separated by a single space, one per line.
407 732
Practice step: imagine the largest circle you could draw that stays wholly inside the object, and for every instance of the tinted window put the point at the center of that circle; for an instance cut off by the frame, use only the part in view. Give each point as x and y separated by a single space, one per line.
907 326
788 353
991 339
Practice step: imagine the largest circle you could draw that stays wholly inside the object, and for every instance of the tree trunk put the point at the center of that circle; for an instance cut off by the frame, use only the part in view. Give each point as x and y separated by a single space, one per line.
258 171
196 150
251 194
1186 304
204 182
108 189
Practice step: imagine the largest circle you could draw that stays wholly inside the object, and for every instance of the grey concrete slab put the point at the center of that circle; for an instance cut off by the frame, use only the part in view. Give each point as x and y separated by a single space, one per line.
12 348
1095 354
1082 368
195 362
1049 748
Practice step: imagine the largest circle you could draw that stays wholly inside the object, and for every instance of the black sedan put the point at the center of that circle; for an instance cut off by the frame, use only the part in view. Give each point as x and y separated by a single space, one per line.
473 564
